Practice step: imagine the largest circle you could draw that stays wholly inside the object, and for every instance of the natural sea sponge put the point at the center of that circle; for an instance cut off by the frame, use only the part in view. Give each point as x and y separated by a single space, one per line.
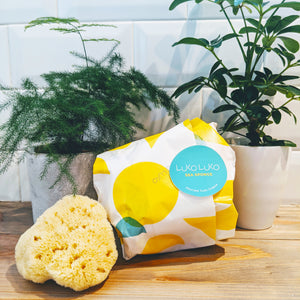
71 243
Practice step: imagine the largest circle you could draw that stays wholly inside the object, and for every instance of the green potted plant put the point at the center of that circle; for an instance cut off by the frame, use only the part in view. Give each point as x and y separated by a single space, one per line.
247 98
76 115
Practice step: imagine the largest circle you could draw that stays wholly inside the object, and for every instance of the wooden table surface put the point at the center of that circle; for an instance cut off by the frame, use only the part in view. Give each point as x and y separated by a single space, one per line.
253 265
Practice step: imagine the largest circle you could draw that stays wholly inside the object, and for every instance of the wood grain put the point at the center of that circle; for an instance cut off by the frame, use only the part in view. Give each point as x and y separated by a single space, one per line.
253 265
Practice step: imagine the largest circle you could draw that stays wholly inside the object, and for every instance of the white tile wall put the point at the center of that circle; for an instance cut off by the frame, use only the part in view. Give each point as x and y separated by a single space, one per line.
20 11
147 30
4 57
283 11
117 10
163 67
171 66
9 181
211 11
10 185
39 50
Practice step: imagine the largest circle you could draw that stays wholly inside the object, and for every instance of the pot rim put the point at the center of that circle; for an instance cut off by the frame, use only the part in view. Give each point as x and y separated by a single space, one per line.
65 154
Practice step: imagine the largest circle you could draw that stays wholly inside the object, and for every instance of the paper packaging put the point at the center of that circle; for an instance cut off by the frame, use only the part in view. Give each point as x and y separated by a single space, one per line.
150 189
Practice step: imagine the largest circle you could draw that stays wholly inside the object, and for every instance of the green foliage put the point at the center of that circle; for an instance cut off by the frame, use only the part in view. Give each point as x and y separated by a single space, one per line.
248 95
88 109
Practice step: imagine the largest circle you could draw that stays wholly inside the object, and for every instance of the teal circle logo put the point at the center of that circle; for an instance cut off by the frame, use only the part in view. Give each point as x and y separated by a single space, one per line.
198 171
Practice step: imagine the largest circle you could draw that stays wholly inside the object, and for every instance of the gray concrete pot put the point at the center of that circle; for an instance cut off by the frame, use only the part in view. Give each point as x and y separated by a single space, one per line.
42 197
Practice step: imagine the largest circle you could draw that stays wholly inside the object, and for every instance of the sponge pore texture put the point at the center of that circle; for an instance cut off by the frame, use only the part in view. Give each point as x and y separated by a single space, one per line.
72 243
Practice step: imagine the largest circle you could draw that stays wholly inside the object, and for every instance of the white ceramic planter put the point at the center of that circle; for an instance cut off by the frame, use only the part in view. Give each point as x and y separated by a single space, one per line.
42 197
261 174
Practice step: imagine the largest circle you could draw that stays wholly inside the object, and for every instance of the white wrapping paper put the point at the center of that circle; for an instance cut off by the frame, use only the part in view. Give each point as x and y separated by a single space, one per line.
150 214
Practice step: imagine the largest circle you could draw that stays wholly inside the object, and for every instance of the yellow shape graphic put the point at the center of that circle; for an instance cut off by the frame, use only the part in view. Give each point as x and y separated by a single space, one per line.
225 195
144 192
151 140
100 166
206 132
187 124
162 242
226 218
206 224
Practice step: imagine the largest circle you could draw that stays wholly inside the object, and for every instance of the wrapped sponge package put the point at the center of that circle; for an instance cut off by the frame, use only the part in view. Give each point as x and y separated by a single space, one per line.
170 191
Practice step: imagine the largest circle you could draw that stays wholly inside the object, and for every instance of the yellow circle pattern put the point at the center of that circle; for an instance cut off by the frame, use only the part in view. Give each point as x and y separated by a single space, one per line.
144 192
162 242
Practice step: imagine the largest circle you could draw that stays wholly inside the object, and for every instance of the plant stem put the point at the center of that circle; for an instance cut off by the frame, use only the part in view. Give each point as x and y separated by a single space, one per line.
257 37
234 31
85 55
258 57
249 72
245 24
83 44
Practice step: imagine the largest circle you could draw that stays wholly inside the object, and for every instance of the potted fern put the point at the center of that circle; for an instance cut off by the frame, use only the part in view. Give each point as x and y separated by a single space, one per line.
77 114
262 160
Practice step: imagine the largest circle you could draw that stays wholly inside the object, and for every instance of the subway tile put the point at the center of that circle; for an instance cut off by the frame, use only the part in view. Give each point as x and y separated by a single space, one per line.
171 66
153 52
4 57
210 11
15 181
9 184
9 180
283 11
39 50
120 10
20 11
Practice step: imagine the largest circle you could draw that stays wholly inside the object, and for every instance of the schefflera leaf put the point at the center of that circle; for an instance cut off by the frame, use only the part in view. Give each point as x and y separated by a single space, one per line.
130 227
